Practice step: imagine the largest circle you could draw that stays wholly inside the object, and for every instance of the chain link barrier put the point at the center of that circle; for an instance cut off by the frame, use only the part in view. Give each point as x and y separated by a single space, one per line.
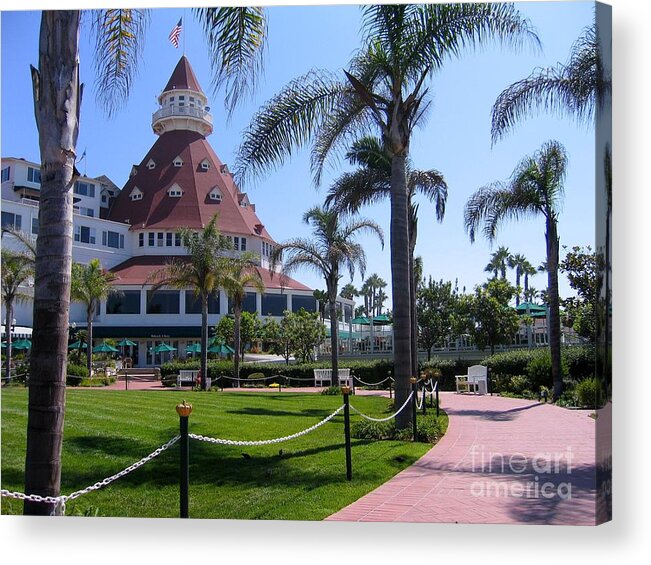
366 417
61 500
373 384
267 441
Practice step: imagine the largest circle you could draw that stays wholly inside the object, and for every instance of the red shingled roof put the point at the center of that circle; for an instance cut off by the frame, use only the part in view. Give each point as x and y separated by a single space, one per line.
136 270
194 209
183 77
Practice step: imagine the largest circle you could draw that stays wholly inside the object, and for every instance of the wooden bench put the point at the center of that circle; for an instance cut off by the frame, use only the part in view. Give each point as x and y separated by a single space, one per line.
151 372
323 377
187 376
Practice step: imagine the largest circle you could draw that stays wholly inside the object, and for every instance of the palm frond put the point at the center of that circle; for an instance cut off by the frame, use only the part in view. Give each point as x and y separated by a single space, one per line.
432 185
27 242
236 37
287 121
119 40
351 191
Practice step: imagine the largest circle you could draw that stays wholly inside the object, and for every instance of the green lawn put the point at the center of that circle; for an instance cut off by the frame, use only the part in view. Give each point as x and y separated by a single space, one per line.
106 431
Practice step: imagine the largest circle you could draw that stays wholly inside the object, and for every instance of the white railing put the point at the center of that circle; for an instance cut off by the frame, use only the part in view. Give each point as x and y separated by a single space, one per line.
182 111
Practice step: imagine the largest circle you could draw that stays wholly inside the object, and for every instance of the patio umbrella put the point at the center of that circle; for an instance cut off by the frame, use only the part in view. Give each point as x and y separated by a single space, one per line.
104 348
221 348
4 344
77 345
194 348
22 344
163 348
127 342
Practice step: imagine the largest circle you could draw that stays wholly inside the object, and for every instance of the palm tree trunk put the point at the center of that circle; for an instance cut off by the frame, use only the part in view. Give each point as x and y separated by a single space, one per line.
517 287
204 339
237 313
412 295
334 337
9 316
399 286
57 99
89 349
554 307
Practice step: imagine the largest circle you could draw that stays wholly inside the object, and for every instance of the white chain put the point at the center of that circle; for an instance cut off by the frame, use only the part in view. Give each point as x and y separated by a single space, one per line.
267 441
62 499
387 418
372 384
419 403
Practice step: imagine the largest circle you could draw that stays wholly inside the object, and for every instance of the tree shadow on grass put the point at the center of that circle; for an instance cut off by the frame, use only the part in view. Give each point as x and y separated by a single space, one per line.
251 411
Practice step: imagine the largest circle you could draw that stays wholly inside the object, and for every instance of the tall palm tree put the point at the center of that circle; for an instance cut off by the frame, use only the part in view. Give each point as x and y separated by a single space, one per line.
528 270
235 37
349 291
499 260
201 271
577 89
331 250
534 189
237 275
520 263
370 183
90 285
383 91
17 269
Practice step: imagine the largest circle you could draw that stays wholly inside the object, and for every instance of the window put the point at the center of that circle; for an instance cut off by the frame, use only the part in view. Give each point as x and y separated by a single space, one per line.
161 239
86 211
177 240
348 312
84 189
193 303
274 304
141 239
163 302
236 243
34 175
169 239
191 98
205 165
243 244
126 302
34 226
175 191
249 304
178 162
151 165
136 194
171 98
308 303
152 239
84 234
104 199
182 97
215 195
113 239
10 220
5 173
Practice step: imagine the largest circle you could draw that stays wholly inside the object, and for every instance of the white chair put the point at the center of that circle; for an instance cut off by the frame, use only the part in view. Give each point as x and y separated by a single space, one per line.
475 381
322 376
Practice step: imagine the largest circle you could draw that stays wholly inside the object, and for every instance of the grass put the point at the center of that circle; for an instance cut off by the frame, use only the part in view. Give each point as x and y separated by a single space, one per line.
106 431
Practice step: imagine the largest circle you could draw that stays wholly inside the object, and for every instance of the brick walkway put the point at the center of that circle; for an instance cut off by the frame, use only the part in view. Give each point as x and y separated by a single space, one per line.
502 461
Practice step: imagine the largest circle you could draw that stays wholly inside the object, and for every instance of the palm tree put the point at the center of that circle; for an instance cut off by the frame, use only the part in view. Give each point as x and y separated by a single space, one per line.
499 261
331 249
90 285
17 269
235 37
349 291
522 266
535 188
383 91
370 183
577 89
201 271
528 270
237 275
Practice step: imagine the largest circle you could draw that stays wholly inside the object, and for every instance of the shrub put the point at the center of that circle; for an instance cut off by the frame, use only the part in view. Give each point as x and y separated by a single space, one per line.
76 374
331 391
587 393
372 430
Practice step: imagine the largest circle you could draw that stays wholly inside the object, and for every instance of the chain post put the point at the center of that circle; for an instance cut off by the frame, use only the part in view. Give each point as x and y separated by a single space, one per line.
352 380
184 410
390 386
414 406
437 399
349 463
422 380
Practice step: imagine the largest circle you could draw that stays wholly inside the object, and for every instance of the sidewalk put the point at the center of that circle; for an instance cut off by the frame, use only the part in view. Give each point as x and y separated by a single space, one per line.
502 461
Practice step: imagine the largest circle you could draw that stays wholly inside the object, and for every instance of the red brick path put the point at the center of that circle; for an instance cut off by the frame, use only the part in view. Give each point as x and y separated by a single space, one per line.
502 461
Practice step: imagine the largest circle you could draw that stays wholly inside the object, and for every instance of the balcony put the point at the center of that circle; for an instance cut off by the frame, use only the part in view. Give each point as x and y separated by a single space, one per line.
181 112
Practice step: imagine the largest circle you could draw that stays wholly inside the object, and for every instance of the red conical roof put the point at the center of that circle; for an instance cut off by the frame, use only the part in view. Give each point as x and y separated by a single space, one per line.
194 209
183 77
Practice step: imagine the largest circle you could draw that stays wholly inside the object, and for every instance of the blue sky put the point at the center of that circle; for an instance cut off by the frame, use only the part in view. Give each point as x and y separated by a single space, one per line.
455 139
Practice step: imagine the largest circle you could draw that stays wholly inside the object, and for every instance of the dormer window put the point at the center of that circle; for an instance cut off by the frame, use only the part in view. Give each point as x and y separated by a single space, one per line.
223 169
205 165
178 162
136 194
175 191
244 200
134 170
215 195
151 165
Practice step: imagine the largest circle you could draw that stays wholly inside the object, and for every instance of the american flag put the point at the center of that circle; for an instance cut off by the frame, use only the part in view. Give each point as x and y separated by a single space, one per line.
174 34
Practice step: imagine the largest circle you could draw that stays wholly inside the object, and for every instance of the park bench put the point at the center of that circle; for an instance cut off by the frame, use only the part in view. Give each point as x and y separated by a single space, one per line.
475 381
151 372
187 376
323 377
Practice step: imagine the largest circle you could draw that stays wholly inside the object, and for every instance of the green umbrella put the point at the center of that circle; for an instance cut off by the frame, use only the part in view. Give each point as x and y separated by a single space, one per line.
221 348
104 348
163 348
4 344
77 345
22 344
194 348
126 342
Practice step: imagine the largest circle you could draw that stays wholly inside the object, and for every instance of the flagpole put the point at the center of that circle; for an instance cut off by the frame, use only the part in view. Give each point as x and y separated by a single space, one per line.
183 32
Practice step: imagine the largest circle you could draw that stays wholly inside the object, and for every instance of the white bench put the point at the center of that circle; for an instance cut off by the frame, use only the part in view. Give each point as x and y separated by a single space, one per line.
323 377
187 376
475 381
